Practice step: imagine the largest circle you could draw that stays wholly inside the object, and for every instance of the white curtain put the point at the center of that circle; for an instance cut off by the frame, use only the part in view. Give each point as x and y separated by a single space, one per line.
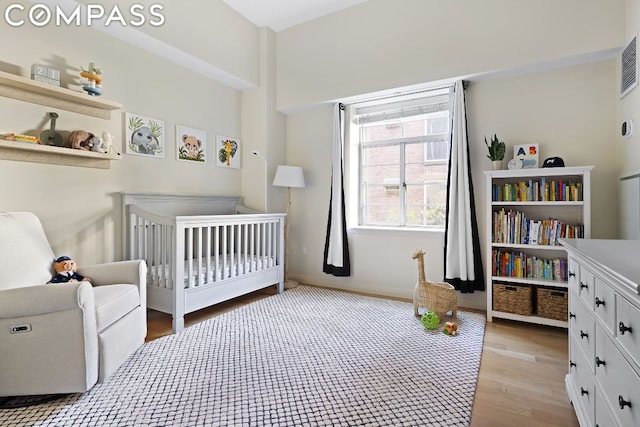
336 247
463 263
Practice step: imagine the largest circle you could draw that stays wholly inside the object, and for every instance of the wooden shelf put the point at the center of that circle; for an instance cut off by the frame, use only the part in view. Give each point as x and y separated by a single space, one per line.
530 319
523 280
23 89
32 152
523 246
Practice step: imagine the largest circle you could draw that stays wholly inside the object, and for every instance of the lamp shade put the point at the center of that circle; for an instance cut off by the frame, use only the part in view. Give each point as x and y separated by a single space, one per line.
289 176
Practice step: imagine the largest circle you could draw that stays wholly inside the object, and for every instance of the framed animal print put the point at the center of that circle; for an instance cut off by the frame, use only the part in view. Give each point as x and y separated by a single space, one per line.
227 152
191 144
144 136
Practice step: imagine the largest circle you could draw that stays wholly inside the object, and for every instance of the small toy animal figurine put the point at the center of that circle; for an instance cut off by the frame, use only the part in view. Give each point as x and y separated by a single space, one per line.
65 269
450 328
93 84
79 139
96 145
107 141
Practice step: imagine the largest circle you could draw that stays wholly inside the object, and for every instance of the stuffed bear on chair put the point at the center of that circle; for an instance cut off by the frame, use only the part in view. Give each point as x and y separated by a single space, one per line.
65 269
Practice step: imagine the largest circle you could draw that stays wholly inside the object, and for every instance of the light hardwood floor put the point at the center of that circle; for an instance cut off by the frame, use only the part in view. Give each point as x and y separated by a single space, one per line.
521 378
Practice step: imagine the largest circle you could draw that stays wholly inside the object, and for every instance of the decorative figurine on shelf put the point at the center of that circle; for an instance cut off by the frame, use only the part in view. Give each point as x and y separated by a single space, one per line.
107 141
79 139
93 84
96 144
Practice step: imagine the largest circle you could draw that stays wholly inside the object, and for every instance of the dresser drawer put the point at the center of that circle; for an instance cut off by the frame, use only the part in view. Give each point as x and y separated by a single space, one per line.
582 328
582 379
620 385
586 286
573 275
603 414
628 328
605 304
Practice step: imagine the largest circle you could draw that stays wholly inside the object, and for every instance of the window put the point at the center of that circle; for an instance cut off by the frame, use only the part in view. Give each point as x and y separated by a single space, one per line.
403 151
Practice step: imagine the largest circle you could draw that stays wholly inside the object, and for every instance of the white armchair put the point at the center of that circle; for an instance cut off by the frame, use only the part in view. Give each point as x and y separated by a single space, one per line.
62 338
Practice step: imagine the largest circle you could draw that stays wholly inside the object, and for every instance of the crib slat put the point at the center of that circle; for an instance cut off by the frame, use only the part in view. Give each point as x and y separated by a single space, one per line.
225 251
189 273
217 253
232 244
210 271
199 251
245 261
252 250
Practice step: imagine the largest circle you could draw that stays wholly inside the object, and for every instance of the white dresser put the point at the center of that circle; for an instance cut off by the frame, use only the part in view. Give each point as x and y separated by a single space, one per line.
603 382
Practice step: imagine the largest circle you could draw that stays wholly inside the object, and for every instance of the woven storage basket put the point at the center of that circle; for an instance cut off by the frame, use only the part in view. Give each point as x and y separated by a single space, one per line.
514 299
552 303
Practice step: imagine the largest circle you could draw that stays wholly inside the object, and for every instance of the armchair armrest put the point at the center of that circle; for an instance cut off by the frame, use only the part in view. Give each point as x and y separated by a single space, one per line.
42 299
111 273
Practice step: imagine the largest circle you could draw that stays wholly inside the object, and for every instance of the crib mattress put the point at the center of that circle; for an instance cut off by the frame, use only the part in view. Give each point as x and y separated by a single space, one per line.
215 273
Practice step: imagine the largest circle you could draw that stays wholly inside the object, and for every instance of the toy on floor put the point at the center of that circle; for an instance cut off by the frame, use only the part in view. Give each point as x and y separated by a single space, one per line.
65 269
430 320
450 328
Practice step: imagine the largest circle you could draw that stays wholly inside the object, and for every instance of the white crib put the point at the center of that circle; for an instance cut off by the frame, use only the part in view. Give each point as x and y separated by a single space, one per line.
201 250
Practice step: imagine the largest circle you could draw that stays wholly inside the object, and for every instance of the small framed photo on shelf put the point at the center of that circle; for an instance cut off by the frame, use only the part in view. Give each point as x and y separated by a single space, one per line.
527 154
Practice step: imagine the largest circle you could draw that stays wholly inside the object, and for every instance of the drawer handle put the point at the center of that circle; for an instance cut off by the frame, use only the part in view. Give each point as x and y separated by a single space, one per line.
572 364
583 392
583 286
572 274
600 362
623 402
583 334
599 302
624 328
571 315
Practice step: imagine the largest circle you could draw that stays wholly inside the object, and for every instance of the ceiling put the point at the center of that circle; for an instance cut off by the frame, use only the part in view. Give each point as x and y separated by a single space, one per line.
282 14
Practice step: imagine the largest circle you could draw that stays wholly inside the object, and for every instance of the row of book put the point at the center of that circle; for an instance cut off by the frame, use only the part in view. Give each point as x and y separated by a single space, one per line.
537 191
521 265
511 226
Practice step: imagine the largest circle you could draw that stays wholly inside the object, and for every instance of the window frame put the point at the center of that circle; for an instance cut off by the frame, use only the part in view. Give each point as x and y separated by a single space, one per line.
357 150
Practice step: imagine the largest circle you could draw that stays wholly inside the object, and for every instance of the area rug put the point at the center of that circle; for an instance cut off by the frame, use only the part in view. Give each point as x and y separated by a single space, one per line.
307 357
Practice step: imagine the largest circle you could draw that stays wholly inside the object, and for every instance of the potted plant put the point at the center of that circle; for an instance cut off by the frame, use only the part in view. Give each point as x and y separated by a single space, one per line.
496 151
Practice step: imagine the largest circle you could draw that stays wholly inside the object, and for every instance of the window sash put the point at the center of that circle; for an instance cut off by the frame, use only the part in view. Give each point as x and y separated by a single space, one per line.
395 189
402 211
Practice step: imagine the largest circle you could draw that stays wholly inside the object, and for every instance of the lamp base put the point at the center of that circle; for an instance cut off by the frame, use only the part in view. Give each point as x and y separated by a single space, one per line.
290 284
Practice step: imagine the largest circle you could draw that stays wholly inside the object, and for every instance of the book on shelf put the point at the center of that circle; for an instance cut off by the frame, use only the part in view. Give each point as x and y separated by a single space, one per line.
515 264
513 227
538 191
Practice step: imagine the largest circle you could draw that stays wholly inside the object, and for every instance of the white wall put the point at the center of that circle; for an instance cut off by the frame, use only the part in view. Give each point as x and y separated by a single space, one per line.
80 206
383 44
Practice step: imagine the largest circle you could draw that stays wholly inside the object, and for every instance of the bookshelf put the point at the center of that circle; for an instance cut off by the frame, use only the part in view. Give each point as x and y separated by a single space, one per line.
528 211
